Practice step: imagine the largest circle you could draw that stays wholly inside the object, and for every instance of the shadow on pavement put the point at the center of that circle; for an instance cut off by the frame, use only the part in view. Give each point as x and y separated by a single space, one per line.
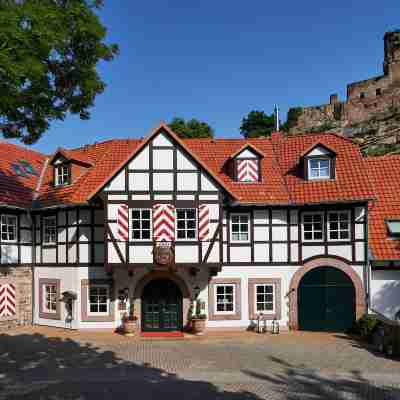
39 367
302 383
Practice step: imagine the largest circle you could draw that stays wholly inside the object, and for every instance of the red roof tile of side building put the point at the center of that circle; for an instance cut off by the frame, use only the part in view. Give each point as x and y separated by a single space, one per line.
15 190
384 175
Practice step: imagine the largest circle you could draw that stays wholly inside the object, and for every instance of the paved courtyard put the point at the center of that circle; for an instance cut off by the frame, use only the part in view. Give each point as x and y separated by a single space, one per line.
45 363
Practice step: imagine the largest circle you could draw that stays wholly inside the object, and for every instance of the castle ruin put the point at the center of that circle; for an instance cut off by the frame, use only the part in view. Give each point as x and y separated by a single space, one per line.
367 100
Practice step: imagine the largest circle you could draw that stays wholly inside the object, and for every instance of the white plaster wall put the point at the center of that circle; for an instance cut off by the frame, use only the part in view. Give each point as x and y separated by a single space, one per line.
139 181
285 273
117 183
187 181
385 292
341 251
206 184
183 163
161 140
163 159
68 277
141 160
186 253
163 181
246 154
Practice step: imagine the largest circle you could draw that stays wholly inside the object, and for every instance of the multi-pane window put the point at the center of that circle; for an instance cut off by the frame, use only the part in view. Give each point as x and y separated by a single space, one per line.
49 230
62 175
98 300
339 225
186 224
141 224
313 226
240 227
50 298
224 298
318 168
264 298
8 228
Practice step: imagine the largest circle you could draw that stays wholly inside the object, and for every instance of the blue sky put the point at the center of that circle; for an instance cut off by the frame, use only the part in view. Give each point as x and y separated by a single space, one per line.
218 60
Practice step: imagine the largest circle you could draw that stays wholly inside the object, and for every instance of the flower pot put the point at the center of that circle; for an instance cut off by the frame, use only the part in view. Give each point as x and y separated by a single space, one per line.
129 327
198 326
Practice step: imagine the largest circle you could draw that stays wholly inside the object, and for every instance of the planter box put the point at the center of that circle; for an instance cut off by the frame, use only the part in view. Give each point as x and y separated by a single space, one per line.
129 328
198 326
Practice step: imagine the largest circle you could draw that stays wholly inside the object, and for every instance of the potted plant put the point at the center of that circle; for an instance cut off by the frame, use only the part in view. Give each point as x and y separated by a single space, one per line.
129 324
198 320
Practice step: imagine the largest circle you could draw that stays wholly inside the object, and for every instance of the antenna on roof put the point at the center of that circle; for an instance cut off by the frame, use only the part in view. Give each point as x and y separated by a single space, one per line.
276 116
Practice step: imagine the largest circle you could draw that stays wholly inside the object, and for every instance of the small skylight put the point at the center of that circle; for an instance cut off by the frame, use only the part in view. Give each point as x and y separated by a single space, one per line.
393 227
19 170
28 167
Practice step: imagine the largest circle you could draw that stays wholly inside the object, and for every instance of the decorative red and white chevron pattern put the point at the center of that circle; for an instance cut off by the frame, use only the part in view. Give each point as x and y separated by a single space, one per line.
163 222
7 300
204 222
247 171
123 224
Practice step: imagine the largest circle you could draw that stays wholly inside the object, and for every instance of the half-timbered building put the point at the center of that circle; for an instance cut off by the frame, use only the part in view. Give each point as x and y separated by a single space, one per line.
273 228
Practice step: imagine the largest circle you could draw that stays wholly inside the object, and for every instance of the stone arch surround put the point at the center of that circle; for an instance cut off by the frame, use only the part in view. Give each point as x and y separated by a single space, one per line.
180 282
323 262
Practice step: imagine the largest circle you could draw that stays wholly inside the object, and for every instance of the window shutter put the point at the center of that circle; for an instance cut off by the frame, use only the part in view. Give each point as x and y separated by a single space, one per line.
163 222
7 300
204 222
247 170
123 224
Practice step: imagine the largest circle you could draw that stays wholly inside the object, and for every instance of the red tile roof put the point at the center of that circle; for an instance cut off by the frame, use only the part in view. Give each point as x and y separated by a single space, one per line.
18 191
384 175
282 182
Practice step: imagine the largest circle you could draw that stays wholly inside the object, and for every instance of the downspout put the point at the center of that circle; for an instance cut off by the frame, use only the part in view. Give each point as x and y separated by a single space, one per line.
34 198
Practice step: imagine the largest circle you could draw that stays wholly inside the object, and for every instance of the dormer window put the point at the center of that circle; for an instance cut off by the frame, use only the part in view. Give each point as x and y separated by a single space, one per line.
393 227
319 163
247 164
62 175
319 168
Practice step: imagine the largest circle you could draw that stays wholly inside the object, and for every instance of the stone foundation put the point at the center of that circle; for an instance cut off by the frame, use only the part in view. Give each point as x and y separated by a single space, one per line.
21 278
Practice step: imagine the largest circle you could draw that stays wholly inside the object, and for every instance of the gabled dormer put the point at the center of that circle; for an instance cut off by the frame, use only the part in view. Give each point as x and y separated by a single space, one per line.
67 167
319 163
246 164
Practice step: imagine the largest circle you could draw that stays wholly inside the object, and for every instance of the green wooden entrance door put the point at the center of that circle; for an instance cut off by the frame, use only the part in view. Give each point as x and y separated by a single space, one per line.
161 306
326 300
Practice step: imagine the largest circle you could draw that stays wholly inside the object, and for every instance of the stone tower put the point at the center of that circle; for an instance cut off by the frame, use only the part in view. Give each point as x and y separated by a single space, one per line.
391 64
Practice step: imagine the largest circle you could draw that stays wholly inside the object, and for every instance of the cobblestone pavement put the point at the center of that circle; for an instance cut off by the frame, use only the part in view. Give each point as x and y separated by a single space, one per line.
47 363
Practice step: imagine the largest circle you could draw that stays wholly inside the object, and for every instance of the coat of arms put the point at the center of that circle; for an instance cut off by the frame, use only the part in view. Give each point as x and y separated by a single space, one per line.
163 255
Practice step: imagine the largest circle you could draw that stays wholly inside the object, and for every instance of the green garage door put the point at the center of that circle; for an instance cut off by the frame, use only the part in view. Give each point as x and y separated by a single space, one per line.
326 300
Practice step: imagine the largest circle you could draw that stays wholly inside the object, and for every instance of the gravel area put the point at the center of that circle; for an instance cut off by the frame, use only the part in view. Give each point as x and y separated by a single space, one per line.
48 363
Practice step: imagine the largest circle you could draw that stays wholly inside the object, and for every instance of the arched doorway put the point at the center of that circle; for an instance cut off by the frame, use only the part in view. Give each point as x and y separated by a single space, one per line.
161 306
326 300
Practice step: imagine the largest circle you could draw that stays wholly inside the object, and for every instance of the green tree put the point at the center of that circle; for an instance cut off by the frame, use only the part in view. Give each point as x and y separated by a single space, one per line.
192 128
257 124
49 50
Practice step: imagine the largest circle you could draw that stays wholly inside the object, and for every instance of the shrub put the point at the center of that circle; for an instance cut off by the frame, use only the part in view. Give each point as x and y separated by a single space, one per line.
365 326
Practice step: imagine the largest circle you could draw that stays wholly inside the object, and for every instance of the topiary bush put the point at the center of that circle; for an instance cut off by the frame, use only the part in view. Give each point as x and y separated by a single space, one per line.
365 326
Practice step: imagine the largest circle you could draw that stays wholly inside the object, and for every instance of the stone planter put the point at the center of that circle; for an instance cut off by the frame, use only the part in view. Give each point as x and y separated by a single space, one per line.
198 326
129 327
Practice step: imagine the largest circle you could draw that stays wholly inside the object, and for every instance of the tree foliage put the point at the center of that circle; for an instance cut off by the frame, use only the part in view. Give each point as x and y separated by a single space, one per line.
49 50
192 128
257 124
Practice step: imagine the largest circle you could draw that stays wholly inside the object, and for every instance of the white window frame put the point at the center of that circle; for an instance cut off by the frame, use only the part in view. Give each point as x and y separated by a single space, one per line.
140 221
62 175
195 228
339 230
273 298
45 219
319 177
92 313
322 223
6 225
232 285
55 294
248 227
